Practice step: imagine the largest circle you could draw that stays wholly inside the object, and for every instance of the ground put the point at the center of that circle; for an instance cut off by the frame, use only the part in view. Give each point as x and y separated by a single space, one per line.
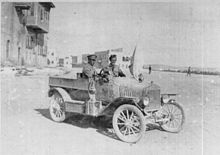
26 127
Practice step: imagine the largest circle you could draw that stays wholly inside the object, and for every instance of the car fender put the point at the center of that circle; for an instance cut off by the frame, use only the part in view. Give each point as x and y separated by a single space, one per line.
62 92
110 109
171 100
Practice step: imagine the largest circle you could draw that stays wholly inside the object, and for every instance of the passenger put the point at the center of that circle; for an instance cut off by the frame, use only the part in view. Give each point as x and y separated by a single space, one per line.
114 69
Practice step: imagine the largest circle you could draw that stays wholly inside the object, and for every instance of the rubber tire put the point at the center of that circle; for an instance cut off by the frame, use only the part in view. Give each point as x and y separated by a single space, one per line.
175 130
115 126
52 115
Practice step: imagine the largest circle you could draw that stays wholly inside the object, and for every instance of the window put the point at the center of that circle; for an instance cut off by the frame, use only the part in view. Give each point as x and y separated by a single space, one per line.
27 41
45 50
7 48
41 15
32 10
32 41
45 15
19 53
48 16
42 50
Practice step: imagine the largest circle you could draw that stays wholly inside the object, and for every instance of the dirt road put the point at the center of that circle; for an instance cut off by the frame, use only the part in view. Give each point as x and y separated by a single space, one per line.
26 127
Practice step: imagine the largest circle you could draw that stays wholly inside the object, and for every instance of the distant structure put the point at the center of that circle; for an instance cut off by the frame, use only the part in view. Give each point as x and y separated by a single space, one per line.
125 62
24 29
52 58
103 58
74 60
67 62
84 58
61 62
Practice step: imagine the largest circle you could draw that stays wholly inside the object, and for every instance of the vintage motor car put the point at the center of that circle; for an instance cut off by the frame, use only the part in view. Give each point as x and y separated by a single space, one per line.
129 104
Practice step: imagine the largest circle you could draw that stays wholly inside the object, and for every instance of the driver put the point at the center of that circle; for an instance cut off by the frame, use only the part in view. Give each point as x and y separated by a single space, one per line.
90 73
88 69
114 69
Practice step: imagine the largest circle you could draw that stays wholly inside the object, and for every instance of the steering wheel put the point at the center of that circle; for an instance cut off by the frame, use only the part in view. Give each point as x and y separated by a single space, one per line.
104 75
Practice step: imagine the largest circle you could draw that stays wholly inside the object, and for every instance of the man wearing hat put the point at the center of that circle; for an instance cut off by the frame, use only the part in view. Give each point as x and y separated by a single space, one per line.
88 69
113 68
90 73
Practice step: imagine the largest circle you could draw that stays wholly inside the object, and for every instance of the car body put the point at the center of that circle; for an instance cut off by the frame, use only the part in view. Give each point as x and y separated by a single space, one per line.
130 104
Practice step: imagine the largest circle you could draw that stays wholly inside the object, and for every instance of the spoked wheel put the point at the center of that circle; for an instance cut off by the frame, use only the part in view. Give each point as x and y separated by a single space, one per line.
128 123
174 117
57 108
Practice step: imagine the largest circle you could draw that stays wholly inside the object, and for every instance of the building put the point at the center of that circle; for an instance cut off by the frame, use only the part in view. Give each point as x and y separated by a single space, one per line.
84 58
61 62
103 58
67 62
24 29
126 60
74 60
52 58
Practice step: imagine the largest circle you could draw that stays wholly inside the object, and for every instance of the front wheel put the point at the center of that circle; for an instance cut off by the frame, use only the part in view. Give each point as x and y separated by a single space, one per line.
174 115
128 123
57 108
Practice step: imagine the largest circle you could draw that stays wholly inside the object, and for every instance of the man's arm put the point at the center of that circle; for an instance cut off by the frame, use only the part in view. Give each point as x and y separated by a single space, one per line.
87 71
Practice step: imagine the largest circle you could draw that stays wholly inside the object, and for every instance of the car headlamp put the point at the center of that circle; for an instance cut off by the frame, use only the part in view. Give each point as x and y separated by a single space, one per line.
146 101
165 98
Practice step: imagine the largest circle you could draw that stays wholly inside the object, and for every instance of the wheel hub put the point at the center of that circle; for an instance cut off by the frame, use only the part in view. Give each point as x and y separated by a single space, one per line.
128 123
171 117
56 105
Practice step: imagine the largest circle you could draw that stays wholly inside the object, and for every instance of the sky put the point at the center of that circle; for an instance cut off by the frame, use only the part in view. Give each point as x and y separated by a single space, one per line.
177 34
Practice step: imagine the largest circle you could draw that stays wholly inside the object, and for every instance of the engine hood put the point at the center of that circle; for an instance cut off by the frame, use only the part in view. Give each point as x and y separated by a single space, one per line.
130 87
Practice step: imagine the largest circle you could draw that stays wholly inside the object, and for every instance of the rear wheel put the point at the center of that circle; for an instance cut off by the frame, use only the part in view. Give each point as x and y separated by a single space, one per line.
174 114
128 123
57 108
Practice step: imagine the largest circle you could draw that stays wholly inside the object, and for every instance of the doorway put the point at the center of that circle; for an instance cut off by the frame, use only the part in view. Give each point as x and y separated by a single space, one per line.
19 54
7 49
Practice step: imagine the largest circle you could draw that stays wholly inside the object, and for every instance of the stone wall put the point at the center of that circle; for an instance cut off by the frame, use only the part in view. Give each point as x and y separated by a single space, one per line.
14 39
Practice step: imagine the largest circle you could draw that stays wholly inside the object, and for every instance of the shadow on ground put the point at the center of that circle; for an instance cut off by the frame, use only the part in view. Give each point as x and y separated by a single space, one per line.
101 124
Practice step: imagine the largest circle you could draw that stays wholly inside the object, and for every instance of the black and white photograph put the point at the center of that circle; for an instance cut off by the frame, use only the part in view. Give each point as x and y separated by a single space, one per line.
93 77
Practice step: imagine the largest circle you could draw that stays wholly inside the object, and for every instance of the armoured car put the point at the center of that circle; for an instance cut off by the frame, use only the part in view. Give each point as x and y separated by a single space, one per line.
129 104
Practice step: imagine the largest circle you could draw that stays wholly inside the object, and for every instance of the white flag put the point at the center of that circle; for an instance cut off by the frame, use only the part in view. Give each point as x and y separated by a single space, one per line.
135 66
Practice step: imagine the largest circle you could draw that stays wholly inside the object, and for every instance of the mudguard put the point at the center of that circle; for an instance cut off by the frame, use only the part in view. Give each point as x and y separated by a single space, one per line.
62 92
110 109
169 95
